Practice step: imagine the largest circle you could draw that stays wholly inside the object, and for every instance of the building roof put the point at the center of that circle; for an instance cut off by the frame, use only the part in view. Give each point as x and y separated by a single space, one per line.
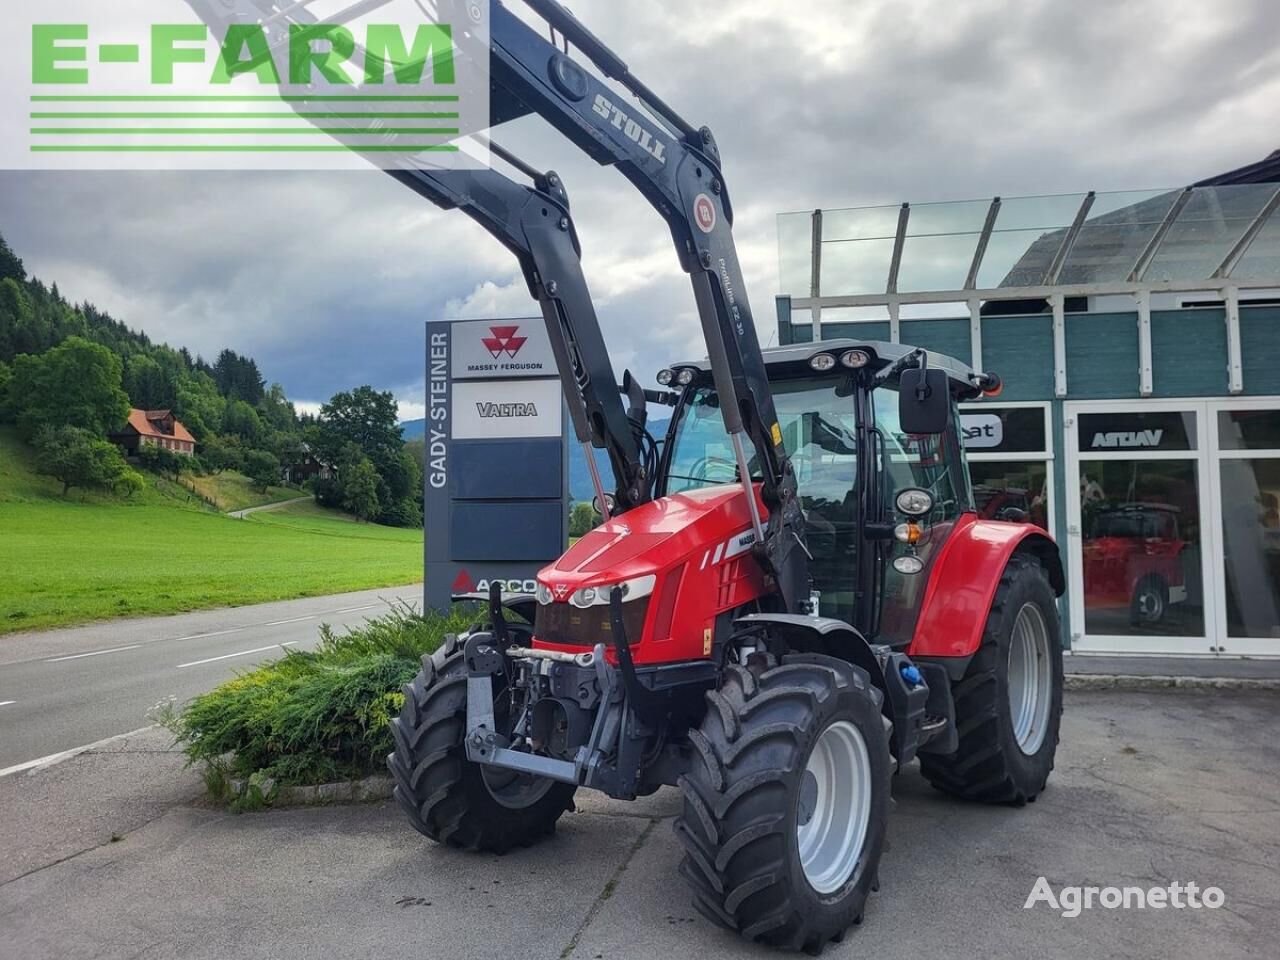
1263 171
146 423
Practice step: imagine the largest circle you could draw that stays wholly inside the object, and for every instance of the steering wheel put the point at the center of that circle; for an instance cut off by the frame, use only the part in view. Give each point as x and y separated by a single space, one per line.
701 469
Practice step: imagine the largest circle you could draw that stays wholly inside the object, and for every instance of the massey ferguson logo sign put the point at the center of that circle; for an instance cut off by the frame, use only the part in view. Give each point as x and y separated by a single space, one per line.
464 583
1128 440
504 340
502 350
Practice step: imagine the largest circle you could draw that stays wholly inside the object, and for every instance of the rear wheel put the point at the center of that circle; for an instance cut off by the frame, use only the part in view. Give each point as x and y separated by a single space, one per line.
786 802
1150 601
447 797
1009 703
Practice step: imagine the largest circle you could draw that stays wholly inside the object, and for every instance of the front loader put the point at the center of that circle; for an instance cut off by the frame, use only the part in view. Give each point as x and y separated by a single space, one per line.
791 596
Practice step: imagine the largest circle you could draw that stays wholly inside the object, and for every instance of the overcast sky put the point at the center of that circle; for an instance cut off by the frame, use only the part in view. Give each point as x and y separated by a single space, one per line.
328 279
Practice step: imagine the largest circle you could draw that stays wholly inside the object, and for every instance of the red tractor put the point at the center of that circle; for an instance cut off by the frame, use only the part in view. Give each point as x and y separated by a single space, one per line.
792 595
1133 561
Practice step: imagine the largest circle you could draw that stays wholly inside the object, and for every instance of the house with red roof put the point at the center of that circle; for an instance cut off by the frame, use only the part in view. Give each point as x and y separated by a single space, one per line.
158 428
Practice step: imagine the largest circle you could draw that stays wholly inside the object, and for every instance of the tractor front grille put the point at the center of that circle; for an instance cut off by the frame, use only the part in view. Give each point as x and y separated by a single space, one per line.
567 624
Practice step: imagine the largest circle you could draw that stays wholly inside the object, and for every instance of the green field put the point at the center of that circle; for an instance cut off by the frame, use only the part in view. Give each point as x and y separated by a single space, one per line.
89 557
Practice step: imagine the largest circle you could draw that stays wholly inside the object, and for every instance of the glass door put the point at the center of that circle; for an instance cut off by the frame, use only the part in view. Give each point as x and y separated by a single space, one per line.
1137 546
1246 475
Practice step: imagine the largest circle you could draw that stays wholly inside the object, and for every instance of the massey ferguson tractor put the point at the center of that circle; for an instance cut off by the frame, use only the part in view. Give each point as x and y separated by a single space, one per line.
791 595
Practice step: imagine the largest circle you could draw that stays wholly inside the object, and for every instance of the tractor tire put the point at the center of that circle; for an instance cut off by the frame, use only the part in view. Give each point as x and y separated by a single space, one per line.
1150 601
782 836
447 797
1007 723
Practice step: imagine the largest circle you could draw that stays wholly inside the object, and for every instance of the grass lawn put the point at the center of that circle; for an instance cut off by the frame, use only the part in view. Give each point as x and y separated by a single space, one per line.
91 557
234 491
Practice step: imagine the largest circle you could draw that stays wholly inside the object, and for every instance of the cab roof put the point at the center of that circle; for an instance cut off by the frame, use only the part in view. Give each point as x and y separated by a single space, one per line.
883 353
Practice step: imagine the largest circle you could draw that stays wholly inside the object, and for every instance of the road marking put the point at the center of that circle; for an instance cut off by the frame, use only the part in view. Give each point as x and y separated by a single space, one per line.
242 653
367 606
95 653
7 703
53 758
277 623
201 636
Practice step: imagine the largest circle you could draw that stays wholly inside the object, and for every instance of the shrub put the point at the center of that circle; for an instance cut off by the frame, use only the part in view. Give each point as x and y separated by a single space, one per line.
316 717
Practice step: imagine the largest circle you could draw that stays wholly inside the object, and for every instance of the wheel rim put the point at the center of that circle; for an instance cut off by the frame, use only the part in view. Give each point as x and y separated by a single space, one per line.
834 811
512 789
1151 604
1030 679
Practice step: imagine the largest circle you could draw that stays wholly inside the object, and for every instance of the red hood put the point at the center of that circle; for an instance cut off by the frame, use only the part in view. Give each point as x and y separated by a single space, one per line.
651 538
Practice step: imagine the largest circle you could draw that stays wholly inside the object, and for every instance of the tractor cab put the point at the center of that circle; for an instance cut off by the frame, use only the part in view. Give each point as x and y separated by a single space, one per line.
844 417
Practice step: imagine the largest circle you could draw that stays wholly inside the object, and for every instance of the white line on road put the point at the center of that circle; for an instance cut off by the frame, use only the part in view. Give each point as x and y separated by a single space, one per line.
53 758
201 636
95 653
277 623
367 606
6 703
242 653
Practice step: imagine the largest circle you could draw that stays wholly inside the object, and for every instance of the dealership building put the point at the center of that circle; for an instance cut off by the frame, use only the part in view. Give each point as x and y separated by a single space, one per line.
1138 337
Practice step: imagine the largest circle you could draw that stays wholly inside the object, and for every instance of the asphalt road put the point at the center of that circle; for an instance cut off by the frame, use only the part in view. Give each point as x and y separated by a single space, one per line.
112 855
64 689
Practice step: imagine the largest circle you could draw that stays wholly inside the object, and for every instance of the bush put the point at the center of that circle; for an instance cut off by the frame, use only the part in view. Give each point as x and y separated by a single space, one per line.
161 461
312 718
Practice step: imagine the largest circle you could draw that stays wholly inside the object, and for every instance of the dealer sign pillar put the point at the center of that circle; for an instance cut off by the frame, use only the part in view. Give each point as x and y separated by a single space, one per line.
496 479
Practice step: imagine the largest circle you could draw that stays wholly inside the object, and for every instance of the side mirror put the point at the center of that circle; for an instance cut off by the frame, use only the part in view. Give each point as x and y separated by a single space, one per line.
924 402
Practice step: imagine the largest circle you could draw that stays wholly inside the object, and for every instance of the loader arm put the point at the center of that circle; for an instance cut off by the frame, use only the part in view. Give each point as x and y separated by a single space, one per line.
535 224
677 169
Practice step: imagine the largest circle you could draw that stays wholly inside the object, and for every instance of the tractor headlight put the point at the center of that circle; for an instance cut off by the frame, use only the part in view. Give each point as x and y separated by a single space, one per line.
822 362
855 359
665 377
908 565
543 593
685 376
914 502
599 596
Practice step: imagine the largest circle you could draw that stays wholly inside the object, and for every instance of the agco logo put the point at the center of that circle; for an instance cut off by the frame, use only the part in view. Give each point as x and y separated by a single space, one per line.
464 584
504 340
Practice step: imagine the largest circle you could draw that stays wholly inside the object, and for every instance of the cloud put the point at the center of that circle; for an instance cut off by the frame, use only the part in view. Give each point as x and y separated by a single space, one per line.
329 279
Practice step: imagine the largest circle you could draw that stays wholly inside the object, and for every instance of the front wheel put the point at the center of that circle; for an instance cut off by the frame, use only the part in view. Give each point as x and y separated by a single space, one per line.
786 802
1009 703
447 797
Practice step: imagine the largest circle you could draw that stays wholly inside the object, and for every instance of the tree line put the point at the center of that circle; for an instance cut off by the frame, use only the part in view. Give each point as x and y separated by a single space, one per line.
69 374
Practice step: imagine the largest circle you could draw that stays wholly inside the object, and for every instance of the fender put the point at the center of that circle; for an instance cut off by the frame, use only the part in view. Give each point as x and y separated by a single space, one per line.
964 579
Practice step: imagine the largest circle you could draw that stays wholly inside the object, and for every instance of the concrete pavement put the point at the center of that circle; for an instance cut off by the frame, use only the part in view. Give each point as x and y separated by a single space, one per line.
1150 788
64 689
